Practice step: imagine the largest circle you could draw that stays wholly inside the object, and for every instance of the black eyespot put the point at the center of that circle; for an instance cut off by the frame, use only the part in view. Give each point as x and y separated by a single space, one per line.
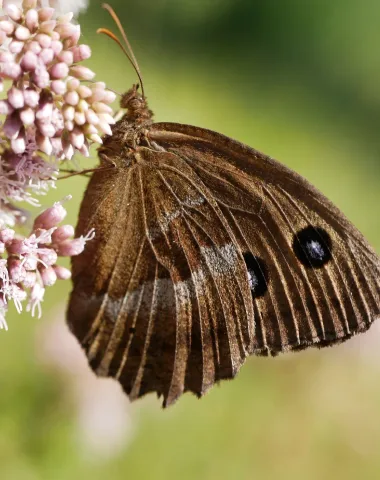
312 246
257 275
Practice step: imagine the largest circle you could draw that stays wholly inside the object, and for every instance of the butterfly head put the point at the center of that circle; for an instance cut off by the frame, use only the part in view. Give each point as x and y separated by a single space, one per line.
136 105
128 130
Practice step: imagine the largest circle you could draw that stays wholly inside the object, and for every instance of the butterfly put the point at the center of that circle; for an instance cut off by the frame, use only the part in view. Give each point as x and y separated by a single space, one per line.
208 251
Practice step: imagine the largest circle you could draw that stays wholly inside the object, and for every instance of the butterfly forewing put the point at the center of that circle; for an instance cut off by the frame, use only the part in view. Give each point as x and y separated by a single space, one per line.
321 282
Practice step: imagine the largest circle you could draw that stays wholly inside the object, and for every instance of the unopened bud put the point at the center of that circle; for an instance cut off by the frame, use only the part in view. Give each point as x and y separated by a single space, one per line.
63 232
50 217
48 276
16 270
62 272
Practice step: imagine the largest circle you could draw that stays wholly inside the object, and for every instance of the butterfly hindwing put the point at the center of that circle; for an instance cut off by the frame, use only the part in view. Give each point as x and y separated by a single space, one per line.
172 311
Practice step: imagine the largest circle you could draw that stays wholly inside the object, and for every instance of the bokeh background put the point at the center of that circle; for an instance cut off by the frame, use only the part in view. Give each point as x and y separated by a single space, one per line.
299 80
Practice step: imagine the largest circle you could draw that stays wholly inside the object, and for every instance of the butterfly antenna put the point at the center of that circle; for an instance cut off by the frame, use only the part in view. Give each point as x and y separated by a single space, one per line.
127 51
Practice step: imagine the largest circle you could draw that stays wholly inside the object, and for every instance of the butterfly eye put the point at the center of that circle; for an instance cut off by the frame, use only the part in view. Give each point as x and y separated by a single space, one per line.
312 246
257 275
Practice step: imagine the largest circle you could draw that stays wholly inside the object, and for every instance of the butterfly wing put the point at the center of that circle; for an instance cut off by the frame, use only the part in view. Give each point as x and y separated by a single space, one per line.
160 299
207 251
314 279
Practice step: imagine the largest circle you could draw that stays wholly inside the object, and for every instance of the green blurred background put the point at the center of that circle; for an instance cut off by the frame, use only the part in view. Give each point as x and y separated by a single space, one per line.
299 80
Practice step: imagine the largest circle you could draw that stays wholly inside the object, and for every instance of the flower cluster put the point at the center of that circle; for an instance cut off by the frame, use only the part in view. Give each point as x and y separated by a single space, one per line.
31 262
52 107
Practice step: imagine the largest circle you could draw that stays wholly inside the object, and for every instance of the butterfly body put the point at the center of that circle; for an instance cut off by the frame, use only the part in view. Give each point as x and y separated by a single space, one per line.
207 251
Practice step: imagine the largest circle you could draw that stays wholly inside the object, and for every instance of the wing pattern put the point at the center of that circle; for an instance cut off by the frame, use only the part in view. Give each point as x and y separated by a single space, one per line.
304 306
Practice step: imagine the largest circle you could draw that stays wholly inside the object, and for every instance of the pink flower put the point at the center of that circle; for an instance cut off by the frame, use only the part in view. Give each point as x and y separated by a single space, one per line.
51 110
42 58
30 264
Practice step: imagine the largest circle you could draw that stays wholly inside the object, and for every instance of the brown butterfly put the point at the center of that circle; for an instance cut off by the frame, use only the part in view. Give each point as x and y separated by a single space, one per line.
207 251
